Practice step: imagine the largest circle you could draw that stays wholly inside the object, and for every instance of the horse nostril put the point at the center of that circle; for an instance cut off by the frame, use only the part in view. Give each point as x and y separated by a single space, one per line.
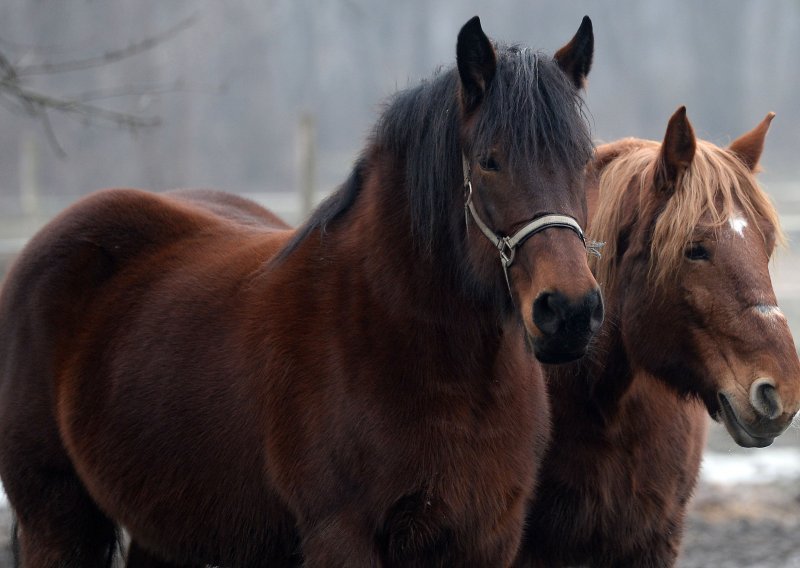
595 304
548 312
765 399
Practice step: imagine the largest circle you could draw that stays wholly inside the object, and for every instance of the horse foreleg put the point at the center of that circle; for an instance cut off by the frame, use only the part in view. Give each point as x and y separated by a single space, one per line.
663 553
338 544
138 557
60 526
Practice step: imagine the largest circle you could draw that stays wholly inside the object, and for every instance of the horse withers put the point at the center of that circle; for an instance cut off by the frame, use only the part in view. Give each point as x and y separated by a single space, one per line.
693 328
362 391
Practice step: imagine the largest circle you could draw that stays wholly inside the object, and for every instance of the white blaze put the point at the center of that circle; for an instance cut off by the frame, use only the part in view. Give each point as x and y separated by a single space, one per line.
737 225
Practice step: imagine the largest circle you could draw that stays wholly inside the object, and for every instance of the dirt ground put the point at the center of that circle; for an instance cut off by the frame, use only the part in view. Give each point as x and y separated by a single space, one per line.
744 526
750 524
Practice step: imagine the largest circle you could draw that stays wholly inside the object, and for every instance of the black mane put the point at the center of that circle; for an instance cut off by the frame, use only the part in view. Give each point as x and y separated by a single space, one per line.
333 207
530 105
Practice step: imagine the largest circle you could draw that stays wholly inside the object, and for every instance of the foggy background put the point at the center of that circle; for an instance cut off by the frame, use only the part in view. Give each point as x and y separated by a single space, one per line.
264 98
231 88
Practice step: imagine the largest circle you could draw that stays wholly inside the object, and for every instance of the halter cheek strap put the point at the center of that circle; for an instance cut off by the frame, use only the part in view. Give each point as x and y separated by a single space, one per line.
507 246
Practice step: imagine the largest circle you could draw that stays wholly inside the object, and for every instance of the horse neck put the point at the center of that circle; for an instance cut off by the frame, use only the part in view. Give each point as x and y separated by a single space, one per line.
409 280
593 389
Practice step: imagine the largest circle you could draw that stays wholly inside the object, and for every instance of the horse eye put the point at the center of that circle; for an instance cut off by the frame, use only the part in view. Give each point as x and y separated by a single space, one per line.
488 163
697 252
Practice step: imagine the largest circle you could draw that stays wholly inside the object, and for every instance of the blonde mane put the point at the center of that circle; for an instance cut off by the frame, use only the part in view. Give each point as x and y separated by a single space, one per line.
717 183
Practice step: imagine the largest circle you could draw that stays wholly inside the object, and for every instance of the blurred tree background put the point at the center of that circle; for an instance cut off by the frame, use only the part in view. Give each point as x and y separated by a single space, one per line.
228 91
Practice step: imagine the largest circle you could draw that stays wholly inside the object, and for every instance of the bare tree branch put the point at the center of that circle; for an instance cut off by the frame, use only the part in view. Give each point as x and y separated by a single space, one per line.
51 135
127 91
108 57
37 103
20 98
11 105
6 68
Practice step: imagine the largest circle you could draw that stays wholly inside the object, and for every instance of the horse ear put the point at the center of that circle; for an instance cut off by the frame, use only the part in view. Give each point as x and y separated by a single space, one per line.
748 147
677 151
575 58
476 63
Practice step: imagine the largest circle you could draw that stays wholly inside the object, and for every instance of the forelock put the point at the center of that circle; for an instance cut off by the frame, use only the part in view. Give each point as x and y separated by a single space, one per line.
716 187
534 107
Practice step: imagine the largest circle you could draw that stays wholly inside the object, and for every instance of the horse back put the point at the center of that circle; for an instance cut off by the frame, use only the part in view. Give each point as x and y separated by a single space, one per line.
100 236
58 275
232 207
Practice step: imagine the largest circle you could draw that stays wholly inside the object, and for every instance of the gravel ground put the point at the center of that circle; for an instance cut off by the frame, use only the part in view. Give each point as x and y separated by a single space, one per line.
750 523
742 526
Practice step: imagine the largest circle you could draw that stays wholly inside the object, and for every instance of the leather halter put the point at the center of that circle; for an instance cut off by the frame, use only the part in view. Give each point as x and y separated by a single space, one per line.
507 246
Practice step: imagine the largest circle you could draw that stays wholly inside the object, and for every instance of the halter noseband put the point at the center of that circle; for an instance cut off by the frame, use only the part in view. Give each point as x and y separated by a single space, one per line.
507 246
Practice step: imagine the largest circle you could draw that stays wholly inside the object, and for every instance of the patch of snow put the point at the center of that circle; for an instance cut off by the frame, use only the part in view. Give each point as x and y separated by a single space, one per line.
758 467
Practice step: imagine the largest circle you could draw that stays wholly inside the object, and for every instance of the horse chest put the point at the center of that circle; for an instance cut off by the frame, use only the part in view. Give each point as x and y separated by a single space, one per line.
464 435
422 452
625 487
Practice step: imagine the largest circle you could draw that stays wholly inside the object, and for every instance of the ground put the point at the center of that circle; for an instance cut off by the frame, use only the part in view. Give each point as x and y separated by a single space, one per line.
746 518
741 526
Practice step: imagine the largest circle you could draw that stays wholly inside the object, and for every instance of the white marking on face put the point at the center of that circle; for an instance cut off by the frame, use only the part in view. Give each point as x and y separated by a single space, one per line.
770 312
737 225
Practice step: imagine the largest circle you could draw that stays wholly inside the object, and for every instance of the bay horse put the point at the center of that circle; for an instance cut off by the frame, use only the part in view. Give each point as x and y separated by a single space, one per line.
361 391
692 327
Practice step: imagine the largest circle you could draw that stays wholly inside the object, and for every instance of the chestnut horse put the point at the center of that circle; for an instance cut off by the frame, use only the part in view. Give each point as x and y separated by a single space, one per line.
692 322
362 391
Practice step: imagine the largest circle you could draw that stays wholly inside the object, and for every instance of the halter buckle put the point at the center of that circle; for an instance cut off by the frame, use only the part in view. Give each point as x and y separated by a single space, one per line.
594 248
507 251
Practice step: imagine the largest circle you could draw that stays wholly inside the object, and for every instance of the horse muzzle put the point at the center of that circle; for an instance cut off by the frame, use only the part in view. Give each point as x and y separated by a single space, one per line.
767 420
567 326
